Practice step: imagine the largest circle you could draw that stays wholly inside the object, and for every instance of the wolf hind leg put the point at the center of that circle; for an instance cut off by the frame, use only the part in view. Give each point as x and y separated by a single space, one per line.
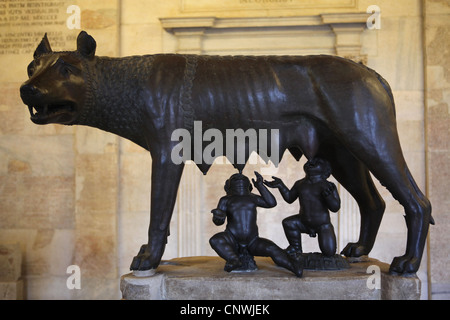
354 176
418 218
385 161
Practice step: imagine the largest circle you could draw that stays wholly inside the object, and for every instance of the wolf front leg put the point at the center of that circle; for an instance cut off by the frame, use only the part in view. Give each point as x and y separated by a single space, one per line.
165 181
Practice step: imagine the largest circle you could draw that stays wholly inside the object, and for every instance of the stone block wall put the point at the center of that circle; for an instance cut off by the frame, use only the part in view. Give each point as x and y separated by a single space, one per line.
437 79
58 184
11 283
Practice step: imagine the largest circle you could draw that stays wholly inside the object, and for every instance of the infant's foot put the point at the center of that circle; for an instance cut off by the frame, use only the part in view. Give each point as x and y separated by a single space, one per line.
298 265
232 265
294 252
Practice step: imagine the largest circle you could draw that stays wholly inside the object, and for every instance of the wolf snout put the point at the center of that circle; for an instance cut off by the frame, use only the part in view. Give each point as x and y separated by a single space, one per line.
29 92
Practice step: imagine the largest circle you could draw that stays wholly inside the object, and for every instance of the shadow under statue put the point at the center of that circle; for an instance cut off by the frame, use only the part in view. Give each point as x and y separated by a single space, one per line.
323 106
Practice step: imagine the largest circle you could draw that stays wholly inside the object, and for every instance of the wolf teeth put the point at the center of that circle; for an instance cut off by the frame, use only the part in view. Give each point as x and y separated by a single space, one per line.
47 110
36 111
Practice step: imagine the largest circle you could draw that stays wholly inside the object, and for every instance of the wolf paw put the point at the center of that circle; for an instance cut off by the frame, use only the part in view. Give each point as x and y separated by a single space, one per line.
144 260
404 265
354 249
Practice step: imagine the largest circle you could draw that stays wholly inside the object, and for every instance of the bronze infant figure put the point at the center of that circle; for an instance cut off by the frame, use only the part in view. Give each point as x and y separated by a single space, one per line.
323 106
241 237
316 196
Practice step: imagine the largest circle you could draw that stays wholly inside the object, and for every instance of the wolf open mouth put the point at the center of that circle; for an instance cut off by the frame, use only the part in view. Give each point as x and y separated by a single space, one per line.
41 114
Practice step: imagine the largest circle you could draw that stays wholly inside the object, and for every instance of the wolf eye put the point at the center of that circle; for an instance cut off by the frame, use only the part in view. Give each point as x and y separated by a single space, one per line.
66 68
30 69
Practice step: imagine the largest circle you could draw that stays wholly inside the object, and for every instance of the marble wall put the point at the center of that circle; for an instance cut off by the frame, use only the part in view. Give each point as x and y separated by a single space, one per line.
79 196
58 185
437 79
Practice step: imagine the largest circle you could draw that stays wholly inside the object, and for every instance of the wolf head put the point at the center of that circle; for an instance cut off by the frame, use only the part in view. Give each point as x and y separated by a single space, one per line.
56 90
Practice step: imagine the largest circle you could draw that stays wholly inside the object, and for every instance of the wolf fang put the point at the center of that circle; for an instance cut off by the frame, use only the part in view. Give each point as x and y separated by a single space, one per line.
197 310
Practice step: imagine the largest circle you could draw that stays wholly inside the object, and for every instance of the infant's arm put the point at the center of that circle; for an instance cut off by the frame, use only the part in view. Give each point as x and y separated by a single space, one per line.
266 200
331 197
220 213
288 195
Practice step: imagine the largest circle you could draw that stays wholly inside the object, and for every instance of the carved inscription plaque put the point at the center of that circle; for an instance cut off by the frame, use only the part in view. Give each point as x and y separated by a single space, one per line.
23 23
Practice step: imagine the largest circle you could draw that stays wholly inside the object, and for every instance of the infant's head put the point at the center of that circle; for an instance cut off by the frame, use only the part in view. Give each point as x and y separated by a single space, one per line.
238 183
316 167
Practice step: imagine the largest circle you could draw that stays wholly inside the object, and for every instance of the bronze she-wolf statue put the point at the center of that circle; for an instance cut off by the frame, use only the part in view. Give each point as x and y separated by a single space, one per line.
323 106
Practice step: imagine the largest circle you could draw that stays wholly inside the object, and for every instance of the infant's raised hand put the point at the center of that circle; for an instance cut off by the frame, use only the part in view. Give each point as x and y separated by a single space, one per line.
259 179
276 183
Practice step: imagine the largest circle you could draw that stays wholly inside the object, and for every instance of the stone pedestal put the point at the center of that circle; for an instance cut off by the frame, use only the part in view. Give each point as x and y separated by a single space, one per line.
203 278
11 284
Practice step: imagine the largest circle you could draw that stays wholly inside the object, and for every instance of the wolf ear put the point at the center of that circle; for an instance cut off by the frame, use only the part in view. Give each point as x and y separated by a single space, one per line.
43 47
86 45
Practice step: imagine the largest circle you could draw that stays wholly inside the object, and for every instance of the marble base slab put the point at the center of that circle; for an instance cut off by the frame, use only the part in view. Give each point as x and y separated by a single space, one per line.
203 278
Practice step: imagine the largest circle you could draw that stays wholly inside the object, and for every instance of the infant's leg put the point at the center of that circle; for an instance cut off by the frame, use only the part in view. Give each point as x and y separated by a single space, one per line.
266 248
327 240
226 248
293 230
